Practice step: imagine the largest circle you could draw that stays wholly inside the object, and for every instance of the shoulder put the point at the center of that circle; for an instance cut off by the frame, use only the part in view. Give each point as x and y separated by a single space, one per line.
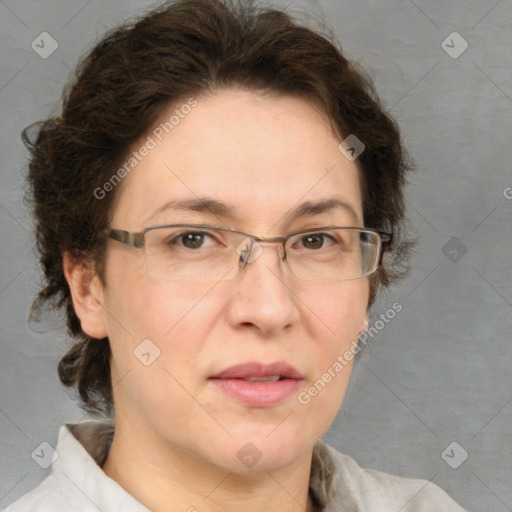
74 475
46 497
339 479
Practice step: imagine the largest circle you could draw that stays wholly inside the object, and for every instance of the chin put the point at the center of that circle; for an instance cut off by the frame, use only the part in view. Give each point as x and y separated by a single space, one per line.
261 453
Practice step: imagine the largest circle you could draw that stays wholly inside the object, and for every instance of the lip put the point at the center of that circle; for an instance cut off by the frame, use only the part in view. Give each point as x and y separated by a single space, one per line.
255 369
258 394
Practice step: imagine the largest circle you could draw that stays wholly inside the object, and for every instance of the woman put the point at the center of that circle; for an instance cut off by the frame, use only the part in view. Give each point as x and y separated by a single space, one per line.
217 205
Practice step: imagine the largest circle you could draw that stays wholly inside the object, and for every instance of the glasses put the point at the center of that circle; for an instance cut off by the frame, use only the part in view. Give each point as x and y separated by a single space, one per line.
199 253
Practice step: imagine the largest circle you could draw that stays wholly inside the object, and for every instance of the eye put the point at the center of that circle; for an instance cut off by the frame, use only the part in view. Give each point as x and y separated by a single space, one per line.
193 240
315 241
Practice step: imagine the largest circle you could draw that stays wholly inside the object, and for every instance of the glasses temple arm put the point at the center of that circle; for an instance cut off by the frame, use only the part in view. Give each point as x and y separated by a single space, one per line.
125 237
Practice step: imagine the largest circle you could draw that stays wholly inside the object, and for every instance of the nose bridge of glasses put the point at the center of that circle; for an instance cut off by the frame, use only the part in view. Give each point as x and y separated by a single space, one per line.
251 247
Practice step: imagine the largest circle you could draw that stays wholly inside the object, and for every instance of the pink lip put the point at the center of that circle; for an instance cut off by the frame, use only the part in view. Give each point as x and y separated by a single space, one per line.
258 394
255 369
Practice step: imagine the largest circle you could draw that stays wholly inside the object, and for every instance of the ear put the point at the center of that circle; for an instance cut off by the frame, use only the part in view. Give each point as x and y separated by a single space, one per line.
87 295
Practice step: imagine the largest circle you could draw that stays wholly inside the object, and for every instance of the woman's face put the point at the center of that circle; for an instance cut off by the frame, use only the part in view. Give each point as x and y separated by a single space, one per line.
262 157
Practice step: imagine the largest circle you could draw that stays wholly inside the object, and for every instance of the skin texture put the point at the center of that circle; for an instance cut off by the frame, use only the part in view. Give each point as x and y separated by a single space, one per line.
262 155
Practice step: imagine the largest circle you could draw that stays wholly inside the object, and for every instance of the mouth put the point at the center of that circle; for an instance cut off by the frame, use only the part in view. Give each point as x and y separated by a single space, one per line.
257 385
257 372
271 378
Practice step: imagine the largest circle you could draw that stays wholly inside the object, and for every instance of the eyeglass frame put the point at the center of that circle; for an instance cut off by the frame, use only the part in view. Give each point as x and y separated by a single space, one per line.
137 240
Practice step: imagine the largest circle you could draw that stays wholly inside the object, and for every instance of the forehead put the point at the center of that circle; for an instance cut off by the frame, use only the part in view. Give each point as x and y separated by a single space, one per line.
260 155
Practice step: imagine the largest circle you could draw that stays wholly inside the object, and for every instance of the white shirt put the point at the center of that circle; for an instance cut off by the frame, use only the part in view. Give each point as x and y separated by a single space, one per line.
77 483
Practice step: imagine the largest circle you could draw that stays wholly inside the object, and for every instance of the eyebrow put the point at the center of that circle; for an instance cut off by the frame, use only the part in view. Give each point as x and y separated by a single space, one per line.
199 204
310 208
215 207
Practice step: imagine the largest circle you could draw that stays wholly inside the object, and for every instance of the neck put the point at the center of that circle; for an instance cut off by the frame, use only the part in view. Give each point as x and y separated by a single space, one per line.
159 477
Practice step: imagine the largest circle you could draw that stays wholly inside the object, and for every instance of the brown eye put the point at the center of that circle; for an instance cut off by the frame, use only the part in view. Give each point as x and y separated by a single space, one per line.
313 241
192 240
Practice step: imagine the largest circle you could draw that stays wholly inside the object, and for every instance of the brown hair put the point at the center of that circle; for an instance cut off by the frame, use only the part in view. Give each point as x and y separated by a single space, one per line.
183 49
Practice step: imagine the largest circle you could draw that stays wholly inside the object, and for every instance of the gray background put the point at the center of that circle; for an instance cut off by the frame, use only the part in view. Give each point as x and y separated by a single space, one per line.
439 372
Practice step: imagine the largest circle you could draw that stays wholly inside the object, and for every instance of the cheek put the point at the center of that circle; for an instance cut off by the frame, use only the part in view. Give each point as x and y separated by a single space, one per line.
337 310
335 318
142 304
164 328
175 317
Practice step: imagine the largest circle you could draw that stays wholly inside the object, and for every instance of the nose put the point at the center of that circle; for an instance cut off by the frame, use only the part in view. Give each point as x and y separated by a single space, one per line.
262 299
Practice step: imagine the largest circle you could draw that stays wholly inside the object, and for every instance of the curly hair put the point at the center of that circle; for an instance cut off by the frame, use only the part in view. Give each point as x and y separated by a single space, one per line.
120 89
